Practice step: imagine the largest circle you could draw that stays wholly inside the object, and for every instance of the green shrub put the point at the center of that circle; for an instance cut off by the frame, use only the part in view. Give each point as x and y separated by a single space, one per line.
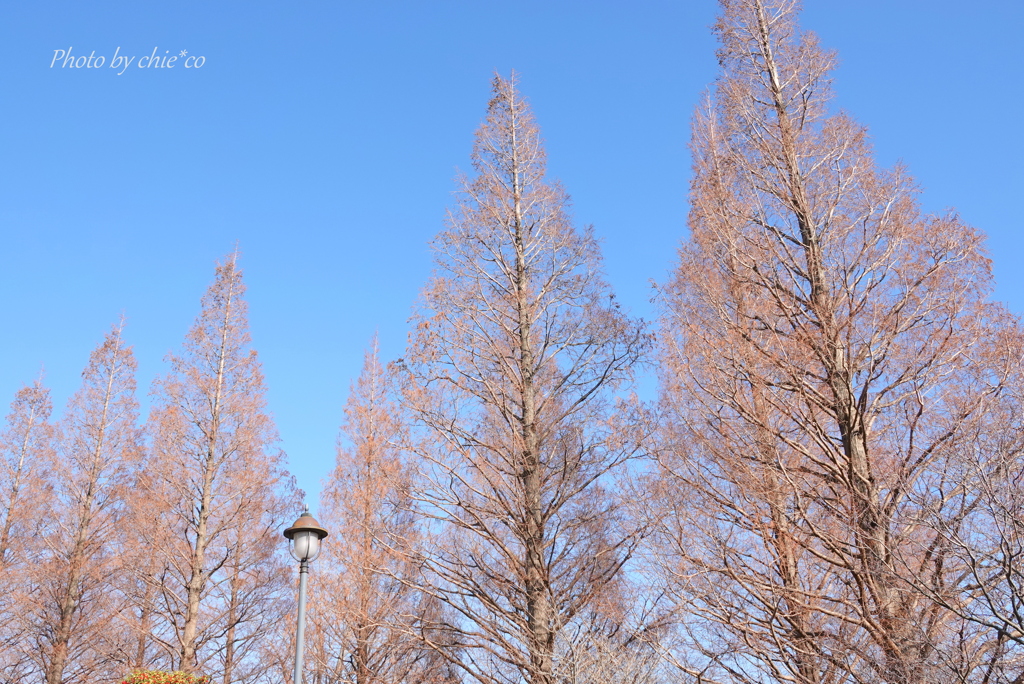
162 677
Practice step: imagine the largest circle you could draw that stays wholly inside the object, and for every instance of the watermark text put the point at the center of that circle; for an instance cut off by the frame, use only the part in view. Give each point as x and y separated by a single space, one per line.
70 59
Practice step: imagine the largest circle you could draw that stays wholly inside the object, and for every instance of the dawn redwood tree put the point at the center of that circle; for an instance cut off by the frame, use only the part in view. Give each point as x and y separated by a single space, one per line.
217 475
98 447
25 445
367 611
517 349
823 370
25 451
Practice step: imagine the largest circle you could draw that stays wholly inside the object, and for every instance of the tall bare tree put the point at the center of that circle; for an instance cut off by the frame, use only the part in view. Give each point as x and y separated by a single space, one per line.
218 476
819 383
368 613
98 450
516 351
26 444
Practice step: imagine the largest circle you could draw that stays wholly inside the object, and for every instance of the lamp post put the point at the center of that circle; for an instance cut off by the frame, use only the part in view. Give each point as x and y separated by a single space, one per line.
305 536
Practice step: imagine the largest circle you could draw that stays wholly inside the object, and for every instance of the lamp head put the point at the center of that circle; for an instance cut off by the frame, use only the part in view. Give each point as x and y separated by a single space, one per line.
305 535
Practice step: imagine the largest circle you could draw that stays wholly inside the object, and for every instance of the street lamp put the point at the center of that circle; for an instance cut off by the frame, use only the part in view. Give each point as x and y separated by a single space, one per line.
305 536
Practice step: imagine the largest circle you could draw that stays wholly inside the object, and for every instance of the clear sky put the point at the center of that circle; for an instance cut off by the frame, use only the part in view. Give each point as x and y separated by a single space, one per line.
323 137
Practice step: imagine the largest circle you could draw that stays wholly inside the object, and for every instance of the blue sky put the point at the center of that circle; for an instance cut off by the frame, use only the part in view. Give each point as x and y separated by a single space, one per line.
323 137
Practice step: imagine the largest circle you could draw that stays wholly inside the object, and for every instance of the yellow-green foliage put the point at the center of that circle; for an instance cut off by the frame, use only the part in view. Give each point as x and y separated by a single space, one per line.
162 677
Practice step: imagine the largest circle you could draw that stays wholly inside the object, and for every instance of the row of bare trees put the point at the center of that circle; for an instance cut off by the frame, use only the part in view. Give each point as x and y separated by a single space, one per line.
826 491
141 546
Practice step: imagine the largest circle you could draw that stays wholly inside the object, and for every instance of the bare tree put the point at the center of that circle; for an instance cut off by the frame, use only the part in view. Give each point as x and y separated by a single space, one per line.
368 612
818 381
98 450
26 445
217 476
515 354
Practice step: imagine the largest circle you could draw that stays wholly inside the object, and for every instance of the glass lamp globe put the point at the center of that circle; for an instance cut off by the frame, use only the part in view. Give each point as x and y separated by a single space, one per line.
305 536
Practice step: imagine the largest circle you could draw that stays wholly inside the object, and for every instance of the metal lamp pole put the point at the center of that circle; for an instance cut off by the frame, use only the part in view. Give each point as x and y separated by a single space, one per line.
305 536
300 629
